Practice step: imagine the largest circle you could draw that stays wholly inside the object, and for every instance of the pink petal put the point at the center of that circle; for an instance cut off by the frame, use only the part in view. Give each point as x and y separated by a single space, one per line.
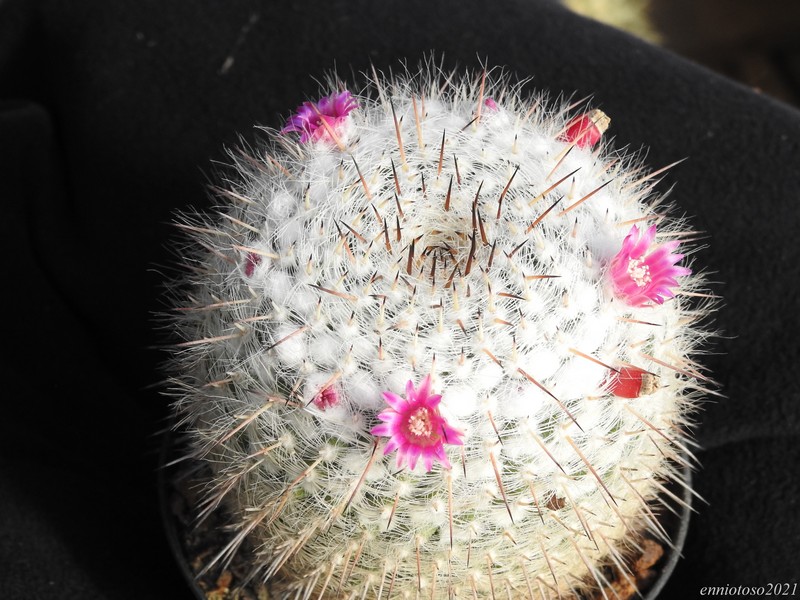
433 400
643 241
411 393
412 456
424 390
440 454
395 401
452 435
390 445
382 430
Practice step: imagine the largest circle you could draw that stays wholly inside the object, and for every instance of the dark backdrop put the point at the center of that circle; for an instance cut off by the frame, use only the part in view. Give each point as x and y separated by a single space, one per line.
112 114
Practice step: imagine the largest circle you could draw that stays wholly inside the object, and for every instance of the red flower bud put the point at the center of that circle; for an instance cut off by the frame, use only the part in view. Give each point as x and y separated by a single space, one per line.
586 130
631 382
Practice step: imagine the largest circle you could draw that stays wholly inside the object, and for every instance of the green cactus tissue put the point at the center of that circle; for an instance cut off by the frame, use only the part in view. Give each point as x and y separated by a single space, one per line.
437 340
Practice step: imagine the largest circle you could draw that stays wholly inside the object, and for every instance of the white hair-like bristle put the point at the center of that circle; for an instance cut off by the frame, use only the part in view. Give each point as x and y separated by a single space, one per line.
433 238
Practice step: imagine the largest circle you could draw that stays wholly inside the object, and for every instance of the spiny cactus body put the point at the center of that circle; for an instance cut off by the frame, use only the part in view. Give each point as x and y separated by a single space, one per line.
436 345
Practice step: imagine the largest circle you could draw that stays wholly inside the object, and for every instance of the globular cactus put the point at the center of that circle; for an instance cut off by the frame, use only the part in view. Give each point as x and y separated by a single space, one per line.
436 344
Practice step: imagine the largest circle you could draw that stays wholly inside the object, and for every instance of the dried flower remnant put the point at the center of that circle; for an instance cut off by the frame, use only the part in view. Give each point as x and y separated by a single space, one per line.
326 398
415 427
252 260
644 273
315 121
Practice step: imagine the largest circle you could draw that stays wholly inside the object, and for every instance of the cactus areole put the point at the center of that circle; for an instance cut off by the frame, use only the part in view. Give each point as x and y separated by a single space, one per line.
437 342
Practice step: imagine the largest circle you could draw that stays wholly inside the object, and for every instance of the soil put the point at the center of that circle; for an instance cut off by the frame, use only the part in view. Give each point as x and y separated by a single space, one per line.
196 544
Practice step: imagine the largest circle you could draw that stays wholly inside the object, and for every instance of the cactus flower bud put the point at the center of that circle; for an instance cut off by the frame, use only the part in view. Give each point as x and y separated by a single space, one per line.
585 130
631 382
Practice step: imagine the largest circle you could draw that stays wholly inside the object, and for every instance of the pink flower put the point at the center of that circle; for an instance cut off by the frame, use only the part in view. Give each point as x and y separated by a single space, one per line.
642 272
311 118
586 129
491 104
415 428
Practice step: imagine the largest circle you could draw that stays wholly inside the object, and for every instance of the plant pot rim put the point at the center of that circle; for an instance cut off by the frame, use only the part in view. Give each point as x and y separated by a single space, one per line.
676 525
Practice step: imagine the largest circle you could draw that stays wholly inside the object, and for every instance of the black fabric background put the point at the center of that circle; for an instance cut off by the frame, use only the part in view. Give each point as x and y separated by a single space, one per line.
112 113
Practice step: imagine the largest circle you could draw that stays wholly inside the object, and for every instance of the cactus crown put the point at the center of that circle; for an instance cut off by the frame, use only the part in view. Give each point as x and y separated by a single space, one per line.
437 344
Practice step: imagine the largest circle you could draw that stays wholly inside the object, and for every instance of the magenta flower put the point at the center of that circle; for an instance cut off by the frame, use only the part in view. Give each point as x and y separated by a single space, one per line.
415 428
642 272
311 118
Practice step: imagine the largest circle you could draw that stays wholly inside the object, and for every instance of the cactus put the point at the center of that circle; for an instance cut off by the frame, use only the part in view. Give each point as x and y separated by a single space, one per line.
436 343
